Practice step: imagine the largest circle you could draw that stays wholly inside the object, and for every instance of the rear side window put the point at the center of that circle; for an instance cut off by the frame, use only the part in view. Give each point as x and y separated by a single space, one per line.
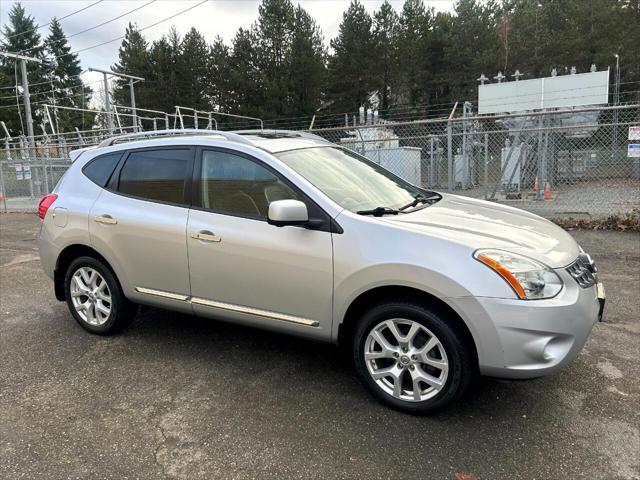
100 169
156 174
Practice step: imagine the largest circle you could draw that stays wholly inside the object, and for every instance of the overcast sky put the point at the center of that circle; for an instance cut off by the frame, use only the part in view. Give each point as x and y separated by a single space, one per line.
215 17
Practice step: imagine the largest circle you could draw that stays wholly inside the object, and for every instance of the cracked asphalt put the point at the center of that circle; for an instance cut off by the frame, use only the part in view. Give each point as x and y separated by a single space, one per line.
181 397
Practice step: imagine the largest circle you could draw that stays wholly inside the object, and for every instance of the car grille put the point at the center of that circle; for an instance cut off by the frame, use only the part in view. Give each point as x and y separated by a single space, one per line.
584 271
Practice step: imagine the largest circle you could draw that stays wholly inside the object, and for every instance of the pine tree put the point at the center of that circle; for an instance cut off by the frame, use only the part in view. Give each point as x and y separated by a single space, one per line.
385 33
164 57
193 78
246 81
21 35
274 30
413 52
219 71
439 83
307 64
133 59
351 66
477 45
66 87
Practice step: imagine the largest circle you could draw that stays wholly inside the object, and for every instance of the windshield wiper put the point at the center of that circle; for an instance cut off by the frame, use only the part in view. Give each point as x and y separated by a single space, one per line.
379 211
419 198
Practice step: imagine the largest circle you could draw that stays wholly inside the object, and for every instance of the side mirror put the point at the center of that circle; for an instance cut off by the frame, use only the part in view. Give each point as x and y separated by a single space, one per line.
287 212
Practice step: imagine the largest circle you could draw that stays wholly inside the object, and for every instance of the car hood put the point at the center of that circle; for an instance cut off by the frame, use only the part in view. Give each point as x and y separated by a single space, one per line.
482 224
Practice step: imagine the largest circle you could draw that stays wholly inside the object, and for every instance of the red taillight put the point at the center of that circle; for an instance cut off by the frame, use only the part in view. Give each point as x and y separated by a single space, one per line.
45 203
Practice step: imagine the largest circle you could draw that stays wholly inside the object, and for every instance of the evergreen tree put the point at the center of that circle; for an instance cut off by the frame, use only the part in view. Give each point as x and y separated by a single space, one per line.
133 59
413 52
246 94
385 33
164 58
219 71
193 76
274 30
352 65
439 82
307 64
477 45
21 35
66 87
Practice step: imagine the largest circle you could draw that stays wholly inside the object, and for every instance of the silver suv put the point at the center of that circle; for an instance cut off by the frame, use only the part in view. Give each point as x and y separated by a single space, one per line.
288 232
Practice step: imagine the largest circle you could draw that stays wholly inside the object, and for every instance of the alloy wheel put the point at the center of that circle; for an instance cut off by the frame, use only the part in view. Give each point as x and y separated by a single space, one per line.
91 296
406 360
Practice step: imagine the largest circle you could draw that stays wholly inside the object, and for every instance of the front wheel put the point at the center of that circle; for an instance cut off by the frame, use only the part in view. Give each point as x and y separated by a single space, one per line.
410 357
95 298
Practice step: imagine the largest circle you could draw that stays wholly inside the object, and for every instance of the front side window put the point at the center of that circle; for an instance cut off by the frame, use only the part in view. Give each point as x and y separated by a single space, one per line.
235 185
349 180
156 174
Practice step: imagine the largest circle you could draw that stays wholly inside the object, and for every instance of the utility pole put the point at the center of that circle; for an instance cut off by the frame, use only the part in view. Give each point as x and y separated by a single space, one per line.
25 94
107 102
616 102
27 102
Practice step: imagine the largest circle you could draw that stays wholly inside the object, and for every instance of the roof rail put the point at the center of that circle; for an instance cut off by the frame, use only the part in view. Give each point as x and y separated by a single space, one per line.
179 132
281 133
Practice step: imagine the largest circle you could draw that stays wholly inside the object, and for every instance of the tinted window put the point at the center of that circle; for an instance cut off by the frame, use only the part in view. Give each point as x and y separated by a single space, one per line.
100 169
238 186
155 175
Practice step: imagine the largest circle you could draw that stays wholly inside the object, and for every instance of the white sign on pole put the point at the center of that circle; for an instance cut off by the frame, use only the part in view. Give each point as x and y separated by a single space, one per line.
27 171
19 174
633 150
634 133
563 91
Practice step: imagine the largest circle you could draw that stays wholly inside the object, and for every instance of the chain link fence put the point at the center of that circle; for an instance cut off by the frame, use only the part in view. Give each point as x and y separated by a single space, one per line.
555 164
570 163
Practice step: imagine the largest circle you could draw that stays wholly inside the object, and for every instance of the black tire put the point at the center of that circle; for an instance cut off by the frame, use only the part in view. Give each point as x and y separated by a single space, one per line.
122 310
459 354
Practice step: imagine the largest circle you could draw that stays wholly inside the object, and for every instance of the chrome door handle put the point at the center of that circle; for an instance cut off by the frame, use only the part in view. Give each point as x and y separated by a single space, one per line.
206 236
107 219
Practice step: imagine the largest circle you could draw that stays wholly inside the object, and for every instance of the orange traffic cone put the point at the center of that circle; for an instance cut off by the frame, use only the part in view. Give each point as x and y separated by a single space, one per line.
547 192
535 185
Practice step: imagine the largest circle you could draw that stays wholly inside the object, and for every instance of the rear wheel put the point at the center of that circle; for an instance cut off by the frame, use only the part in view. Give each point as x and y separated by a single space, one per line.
95 298
410 357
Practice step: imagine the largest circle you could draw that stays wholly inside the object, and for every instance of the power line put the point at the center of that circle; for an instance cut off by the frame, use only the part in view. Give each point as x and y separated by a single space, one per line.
37 27
97 26
42 102
139 30
42 83
46 92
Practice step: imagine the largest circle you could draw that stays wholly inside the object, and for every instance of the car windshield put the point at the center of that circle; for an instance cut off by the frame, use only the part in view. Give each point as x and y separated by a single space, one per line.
352 181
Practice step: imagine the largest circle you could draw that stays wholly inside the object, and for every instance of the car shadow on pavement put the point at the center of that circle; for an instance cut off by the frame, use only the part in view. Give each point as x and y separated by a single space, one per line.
267 358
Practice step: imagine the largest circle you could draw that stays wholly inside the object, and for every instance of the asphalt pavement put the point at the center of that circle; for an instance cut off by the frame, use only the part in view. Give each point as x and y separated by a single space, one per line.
182 397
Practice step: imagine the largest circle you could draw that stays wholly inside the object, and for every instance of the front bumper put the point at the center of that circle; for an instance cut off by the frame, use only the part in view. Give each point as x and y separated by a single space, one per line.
537 337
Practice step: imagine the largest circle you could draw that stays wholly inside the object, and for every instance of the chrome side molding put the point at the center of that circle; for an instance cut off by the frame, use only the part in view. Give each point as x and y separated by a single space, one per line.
255 311
162 293
230 307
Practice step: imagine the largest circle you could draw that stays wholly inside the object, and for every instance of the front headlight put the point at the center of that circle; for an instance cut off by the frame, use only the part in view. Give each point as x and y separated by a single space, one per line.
530 279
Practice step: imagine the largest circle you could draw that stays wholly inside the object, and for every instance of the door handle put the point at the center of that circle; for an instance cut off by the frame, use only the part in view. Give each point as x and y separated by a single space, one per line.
106 219
206 236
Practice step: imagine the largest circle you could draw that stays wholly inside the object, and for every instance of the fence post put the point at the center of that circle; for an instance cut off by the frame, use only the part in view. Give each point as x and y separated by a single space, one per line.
45 160
432 163
486 165
3 190
449 157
